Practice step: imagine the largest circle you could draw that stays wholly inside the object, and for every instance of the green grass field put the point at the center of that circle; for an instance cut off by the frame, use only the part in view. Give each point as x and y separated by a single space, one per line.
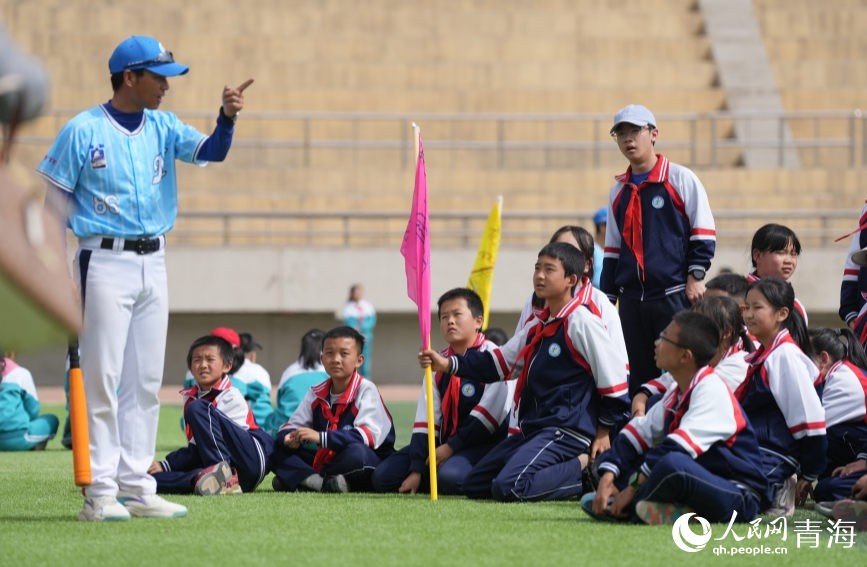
39 506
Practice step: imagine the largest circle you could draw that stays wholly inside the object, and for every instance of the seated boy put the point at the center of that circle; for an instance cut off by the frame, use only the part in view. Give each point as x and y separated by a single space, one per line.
468 416
344 416
842 481
227 452
571 388
21 426
693 451
729 285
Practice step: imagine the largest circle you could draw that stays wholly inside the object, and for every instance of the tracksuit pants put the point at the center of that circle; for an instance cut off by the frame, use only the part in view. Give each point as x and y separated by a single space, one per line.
540 466
642 321
845 441
40 429
218 438
356 462
391 472
836 487
676 477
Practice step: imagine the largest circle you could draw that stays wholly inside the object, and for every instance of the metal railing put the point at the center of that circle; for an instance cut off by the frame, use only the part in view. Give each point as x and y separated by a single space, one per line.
462 229
524 140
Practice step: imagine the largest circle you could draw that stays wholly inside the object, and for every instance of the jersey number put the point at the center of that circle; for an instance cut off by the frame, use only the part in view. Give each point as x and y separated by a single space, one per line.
107 205
159 170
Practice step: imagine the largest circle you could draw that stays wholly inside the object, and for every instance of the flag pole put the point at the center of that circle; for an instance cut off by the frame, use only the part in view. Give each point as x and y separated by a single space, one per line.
428 377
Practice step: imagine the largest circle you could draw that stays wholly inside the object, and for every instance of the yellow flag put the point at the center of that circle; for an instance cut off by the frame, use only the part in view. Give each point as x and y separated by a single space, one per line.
482 276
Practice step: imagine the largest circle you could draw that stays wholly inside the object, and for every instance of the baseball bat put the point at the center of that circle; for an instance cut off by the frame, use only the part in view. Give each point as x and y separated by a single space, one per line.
78 420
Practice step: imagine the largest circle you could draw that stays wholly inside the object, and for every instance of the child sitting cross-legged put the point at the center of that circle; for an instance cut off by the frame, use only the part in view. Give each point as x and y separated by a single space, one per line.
695 451
227 452
344 416
469 416
571 387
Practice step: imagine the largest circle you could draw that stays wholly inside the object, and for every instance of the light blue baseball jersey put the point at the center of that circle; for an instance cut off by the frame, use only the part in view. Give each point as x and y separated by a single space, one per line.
123 183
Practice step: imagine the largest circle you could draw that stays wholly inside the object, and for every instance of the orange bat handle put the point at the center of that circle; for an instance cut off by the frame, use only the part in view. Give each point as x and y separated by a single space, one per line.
78 421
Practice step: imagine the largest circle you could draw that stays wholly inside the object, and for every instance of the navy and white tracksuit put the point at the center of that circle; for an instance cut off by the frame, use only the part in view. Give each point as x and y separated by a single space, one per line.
839 487
853 291
355 434
696 448
657 233
469 416
732 368
843 390
781 402
572 379
220 427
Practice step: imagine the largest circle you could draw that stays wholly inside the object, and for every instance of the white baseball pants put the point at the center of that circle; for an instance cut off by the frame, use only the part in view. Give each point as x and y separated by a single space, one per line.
123 345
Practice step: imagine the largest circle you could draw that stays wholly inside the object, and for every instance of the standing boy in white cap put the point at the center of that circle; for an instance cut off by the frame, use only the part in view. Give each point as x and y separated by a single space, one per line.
111 177
659 242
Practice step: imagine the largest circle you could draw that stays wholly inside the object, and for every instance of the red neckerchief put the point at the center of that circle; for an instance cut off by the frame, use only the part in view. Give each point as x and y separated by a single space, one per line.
452 396
632 220
192 393
679 406
345 400
757 359
544 331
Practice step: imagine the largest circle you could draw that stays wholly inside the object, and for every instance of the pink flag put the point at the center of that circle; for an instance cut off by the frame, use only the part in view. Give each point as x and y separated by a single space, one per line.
416 249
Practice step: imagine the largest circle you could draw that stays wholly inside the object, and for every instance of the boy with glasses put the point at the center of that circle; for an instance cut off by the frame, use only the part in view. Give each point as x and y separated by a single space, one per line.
659 242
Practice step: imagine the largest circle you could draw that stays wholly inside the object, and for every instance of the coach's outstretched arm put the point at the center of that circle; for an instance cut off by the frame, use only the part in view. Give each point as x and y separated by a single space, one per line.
216 147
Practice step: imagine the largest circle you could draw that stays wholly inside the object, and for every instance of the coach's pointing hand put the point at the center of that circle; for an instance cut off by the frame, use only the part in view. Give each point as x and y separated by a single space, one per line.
233 99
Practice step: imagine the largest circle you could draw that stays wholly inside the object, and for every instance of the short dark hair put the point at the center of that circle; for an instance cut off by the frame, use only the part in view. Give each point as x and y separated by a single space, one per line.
734 285
585 244
226 349
571 258
774 238
117 78
698 334
248 345
497 336
344 332
474 302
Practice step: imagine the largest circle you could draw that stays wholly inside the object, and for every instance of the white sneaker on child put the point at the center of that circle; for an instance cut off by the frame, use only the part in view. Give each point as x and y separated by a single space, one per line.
784 499
103 509
150 506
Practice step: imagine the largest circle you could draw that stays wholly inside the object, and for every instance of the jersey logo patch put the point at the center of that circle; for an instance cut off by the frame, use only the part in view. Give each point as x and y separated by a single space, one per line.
657 202
468 390
554 350
97 156
346 427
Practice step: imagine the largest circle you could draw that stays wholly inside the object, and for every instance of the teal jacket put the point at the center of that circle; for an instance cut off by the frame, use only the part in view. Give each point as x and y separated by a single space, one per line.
19 404
294 384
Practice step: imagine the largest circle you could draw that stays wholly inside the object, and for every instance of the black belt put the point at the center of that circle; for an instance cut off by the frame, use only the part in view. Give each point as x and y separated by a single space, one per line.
140 246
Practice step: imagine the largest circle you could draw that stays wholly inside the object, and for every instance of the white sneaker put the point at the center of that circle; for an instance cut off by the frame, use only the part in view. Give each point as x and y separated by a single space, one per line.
784 499
150 506
103 509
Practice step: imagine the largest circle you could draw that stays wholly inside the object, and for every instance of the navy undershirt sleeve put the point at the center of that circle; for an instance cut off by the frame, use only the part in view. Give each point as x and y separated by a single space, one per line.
216 147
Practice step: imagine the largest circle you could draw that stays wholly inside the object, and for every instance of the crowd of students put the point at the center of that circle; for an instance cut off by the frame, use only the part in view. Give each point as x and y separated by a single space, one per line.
713 397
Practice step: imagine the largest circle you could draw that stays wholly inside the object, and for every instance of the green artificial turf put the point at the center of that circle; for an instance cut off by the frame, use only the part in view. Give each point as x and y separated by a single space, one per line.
39 505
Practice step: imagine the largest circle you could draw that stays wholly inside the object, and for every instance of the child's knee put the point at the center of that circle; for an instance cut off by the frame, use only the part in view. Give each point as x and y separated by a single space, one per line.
51 421
360 454
196 409
672 463
503 490
451 479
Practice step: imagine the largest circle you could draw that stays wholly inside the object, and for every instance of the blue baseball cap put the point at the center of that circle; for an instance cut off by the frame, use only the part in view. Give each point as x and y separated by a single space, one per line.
601 216
633 114
140 52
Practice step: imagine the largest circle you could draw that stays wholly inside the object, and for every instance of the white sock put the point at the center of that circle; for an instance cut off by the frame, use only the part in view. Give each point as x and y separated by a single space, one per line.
313 482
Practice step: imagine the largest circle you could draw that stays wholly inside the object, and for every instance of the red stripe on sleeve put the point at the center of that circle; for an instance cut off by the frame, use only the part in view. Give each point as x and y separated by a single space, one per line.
702 232
616 389
632 431
487 415
612 250
683 435
502 362
367 434
424 425
809 425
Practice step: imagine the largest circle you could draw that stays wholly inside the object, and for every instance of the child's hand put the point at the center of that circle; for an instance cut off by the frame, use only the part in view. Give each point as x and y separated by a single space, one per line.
621 502
857 466
639 404
443 453
411 483
155 468
605 491
292 440
804 489
433 359
307 435
601 444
